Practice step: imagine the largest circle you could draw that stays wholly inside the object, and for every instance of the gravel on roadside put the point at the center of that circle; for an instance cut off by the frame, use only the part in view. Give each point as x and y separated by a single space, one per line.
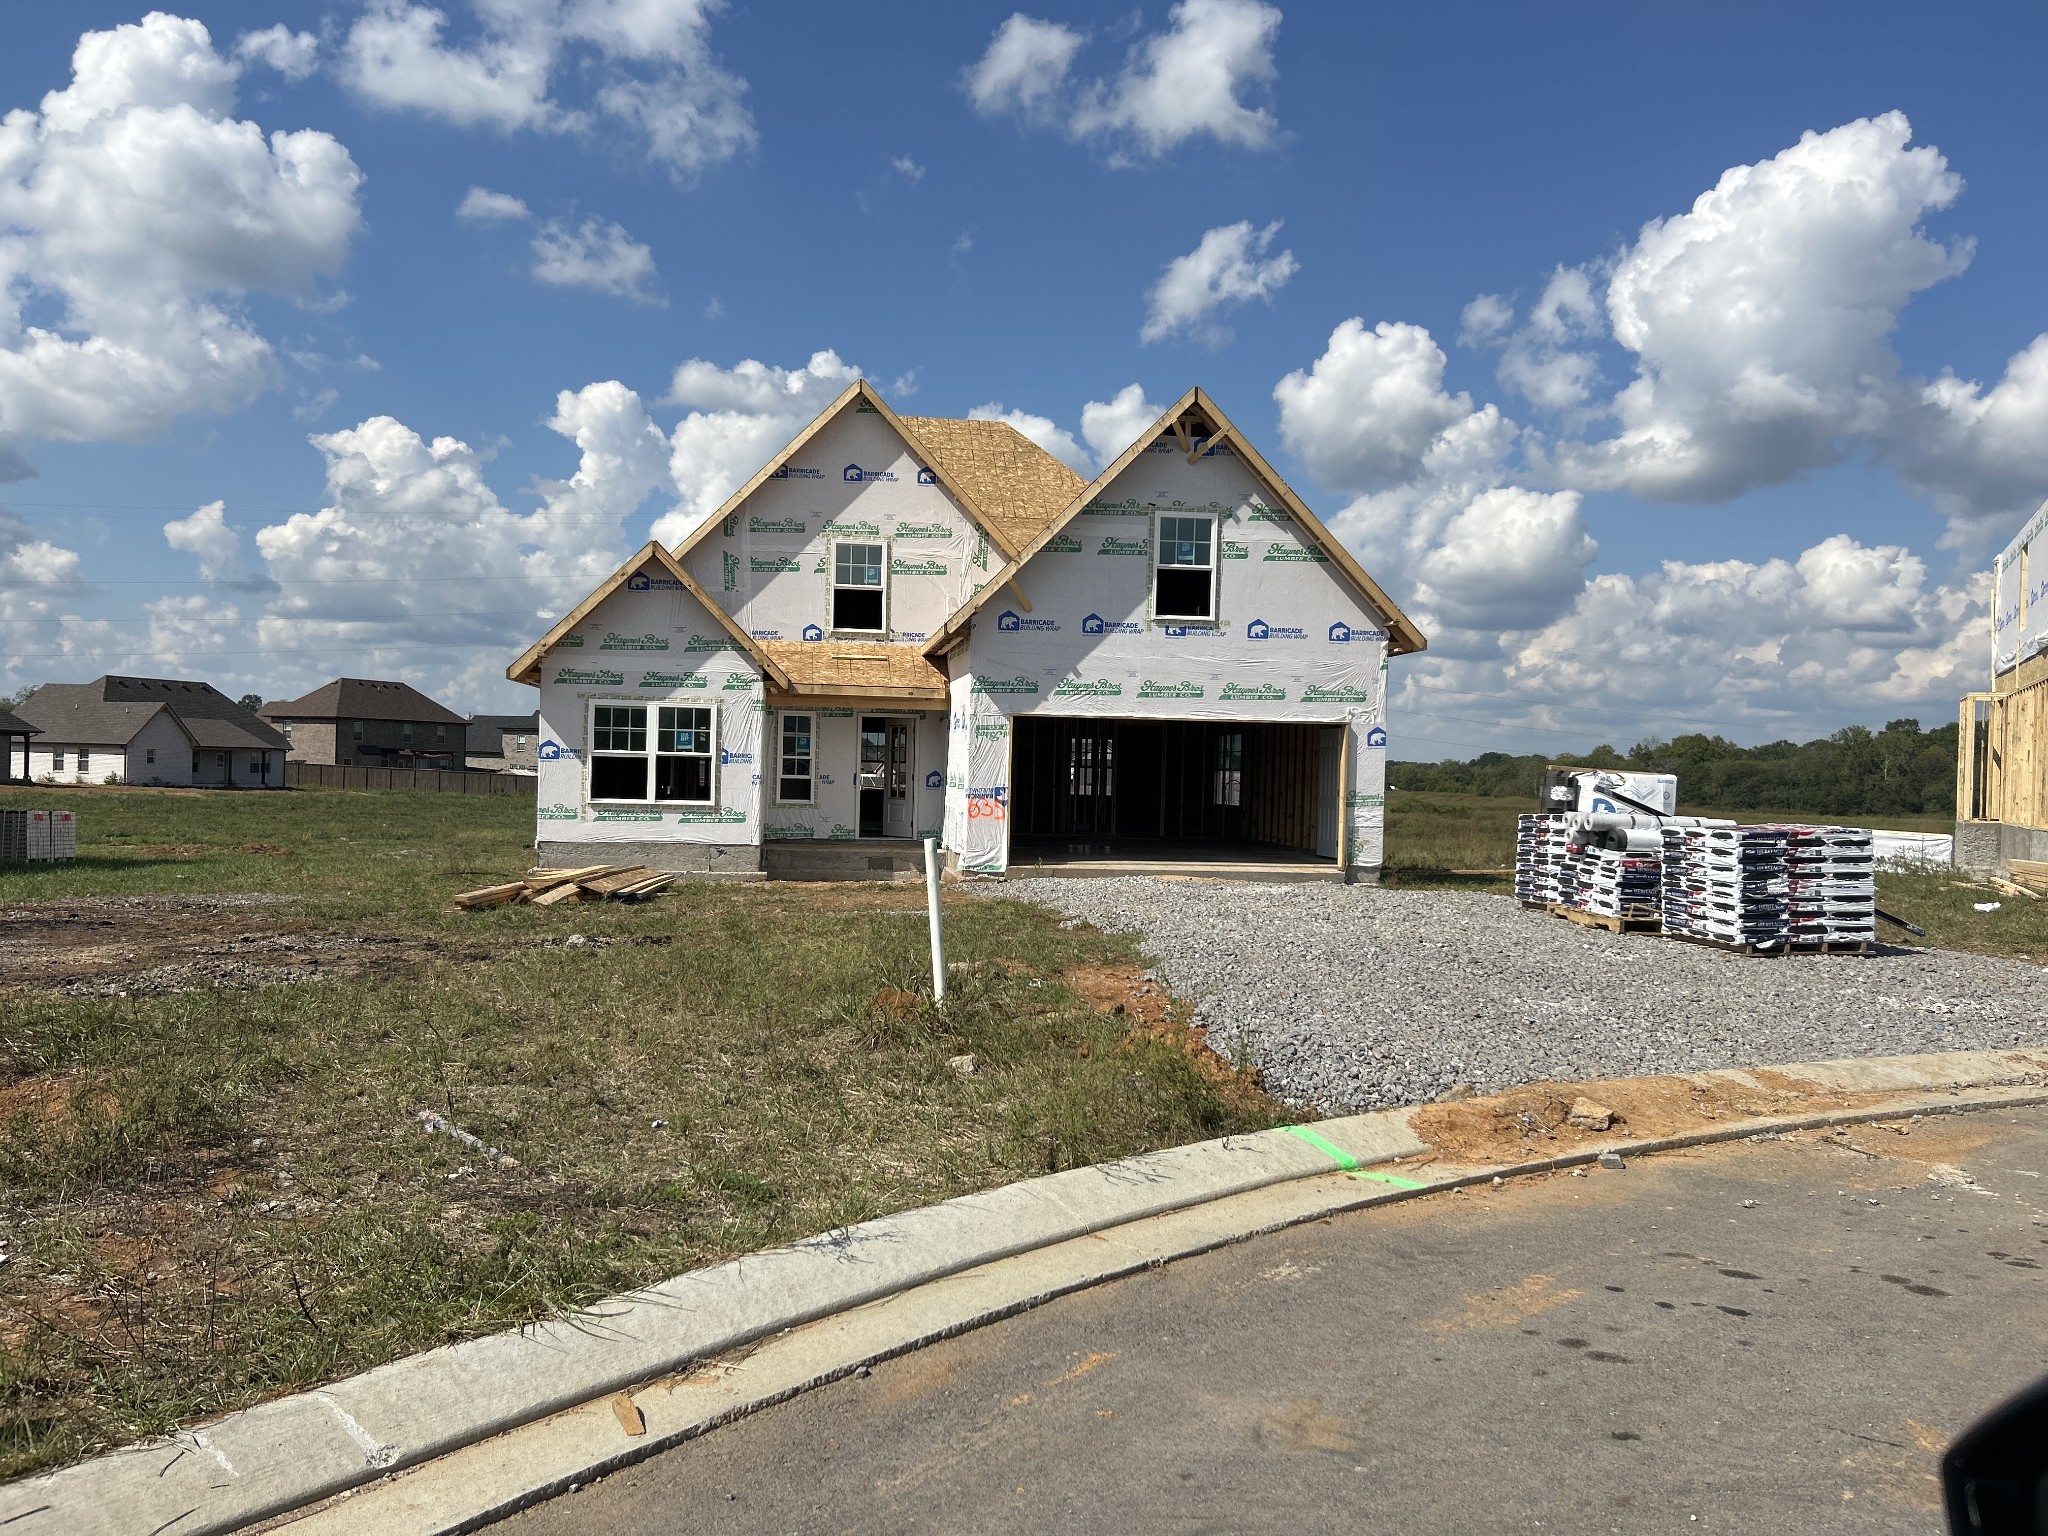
1358 997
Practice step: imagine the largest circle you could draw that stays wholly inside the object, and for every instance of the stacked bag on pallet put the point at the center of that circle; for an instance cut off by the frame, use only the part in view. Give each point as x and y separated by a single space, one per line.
1831 885
1540 859
1726 884
1614 883
1560 862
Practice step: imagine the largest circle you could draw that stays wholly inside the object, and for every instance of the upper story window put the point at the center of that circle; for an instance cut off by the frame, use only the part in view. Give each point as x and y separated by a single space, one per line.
405 733
440 735
858 593
1184 581
355 729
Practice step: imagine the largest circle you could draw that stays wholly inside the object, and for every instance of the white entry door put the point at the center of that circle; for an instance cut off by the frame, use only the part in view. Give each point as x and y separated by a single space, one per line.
900 790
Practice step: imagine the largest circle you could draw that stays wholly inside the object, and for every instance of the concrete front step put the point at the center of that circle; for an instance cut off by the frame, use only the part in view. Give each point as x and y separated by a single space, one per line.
862 859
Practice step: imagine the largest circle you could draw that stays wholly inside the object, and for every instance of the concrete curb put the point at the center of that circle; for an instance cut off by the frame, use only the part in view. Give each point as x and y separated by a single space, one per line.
881 1287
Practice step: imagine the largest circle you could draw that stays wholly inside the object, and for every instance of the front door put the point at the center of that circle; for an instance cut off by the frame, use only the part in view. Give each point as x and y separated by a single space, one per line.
886 791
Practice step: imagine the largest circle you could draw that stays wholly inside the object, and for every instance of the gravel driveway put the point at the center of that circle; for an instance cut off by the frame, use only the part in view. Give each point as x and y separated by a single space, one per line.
1354 997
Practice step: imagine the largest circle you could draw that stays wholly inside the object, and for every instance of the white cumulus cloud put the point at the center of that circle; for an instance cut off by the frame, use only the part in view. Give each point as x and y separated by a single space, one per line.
1110 426
646 65
1229 266
142 206
1199 77
480 205
295 55
597 255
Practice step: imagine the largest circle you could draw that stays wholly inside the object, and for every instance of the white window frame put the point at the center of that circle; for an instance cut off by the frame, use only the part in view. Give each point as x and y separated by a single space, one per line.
811 777
832 589
85 759
650 753
1211 619
56 759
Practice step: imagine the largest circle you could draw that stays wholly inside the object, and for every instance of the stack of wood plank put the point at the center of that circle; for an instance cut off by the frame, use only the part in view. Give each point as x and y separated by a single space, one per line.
565 887
2029 874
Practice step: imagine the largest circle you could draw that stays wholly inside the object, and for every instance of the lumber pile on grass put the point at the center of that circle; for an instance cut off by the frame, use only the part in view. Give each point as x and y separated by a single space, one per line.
566 887
2030 874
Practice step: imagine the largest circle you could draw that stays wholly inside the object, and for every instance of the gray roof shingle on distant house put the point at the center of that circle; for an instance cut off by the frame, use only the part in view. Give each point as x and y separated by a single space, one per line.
110 711
517 724
13 725
359 698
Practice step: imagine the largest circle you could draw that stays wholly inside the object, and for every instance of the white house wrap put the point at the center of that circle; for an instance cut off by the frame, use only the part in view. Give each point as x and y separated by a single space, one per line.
908 626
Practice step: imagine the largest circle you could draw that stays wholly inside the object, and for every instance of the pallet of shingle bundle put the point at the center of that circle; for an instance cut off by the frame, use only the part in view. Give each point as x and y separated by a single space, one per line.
1725 886
1831 887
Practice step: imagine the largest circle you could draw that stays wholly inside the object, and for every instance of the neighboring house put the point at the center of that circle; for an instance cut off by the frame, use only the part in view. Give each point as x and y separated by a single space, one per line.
364 723
15 734
2002 743
904 627
149 730
505 743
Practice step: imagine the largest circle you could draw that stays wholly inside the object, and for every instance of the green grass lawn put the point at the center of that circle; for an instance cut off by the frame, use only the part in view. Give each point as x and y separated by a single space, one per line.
210 1197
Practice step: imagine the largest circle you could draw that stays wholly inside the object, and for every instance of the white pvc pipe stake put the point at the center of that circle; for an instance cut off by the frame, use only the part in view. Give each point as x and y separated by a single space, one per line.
931 894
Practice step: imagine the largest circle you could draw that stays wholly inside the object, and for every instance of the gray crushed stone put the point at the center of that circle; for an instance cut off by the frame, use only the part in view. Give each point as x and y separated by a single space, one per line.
1355 997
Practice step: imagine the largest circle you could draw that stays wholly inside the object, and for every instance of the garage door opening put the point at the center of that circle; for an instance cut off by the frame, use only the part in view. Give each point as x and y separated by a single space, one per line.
1173 791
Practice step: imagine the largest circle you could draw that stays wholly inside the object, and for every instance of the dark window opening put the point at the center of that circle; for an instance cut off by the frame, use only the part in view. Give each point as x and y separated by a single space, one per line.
618 778
856 609
1185 594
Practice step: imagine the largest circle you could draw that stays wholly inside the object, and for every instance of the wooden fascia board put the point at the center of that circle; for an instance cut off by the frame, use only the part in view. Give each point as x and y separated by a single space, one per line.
981 520
1404 636
526 669
826 697
950 632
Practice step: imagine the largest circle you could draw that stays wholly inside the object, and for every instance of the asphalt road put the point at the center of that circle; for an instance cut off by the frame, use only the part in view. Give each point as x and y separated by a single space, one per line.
1635 1351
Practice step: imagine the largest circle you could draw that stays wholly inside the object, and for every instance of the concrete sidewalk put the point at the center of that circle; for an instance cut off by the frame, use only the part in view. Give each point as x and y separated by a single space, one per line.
533 1409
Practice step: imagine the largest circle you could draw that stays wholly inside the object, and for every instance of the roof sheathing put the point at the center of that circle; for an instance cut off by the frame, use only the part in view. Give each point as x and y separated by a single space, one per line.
1019 486
527 668
1404 637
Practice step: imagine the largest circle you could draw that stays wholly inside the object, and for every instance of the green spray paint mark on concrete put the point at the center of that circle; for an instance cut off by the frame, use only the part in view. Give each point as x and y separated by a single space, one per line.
1345 1161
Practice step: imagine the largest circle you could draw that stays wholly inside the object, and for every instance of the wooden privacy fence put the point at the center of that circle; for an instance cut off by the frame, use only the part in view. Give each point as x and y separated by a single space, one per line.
332 776
2002 757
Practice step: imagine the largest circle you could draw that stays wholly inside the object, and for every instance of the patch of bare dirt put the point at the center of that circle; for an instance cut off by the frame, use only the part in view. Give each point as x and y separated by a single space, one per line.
1155 1014
146 945
1537 1122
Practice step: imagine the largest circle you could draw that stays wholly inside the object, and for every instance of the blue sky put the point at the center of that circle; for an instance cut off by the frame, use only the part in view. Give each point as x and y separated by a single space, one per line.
977 209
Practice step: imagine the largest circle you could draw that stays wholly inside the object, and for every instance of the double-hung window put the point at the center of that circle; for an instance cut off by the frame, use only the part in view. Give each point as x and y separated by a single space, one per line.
858 594
1184 579
672 761
796 779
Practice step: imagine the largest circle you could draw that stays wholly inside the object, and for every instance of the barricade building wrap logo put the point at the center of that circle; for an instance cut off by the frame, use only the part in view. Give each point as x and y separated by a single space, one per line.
927 477
813 632
793 472
1061 544
576 677
1096 624
1087 688
765 634
935 780
1376 737
1009 621
736 757
1259 629
854 474
1148 689
647 642
795 525
1342 633
1112 545
901 567
1263 693
640 581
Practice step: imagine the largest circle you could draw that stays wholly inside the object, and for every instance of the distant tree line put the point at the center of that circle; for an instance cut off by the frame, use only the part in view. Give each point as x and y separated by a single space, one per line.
1898 771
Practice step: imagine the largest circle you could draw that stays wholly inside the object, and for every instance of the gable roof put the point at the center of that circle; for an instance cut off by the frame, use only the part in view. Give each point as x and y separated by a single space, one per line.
1017 484
362 698
14 725
990 468
527 668
513 723
110 711
1184 418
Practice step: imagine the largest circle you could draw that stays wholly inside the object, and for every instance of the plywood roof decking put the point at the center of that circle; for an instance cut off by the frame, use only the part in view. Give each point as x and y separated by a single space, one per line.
857 667
1018 486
